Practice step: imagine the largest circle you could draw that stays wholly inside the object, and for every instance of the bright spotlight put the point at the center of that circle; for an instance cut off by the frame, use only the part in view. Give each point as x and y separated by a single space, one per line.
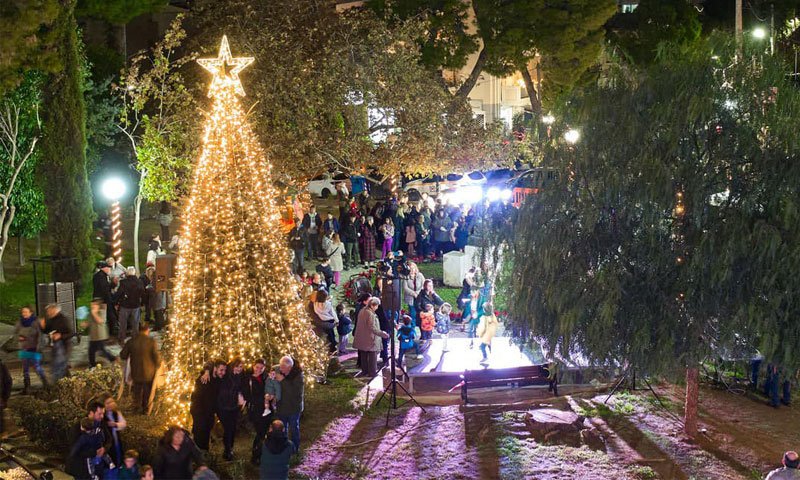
572 136
493 194
759 33
113 188
465 195
506 194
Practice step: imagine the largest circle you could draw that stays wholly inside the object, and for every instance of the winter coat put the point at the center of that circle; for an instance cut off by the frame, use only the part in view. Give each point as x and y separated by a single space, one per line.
307 224
204 397
348 232
330 225
412 286
61 324
145 359
334 253
424 299
101 286
368 242
784 473
345 325
467 314
98 330
462 236
175 464
230 386
296 242
131 292
427 321
442 323
292 393
325 311
275 457
487 328
411 234
441 228
327 273
30 331
253 393
82 454
368 334
406 336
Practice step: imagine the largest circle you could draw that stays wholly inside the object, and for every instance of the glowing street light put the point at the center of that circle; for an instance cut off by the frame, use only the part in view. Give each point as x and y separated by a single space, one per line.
572 136
759 33
548 119
113 189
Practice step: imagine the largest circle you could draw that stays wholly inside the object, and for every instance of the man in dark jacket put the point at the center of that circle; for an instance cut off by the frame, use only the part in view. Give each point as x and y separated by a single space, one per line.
90 440
59 327
204 402
253 390
312 227
292 392
297 244
101 288
130 294
145 361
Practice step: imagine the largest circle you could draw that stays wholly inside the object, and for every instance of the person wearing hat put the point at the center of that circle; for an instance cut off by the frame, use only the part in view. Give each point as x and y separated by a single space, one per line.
101 288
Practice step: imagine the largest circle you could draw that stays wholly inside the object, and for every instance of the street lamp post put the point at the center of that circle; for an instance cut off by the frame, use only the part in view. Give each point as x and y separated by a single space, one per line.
113 189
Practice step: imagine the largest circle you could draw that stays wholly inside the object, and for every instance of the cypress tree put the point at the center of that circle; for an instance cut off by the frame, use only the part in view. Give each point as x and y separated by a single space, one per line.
63 161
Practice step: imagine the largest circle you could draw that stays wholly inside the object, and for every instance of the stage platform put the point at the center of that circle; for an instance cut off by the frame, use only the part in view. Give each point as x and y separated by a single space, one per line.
439 371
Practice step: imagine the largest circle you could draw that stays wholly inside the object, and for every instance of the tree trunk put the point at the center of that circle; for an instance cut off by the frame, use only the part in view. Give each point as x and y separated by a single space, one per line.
39 244
137 216
692 397
470 82
533 94
2 273
21 251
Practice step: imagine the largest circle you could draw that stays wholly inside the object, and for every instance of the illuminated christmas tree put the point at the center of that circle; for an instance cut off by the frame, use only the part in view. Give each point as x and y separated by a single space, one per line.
234 294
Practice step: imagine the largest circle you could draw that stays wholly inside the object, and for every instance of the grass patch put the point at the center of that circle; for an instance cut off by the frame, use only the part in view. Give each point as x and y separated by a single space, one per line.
324 403
643 472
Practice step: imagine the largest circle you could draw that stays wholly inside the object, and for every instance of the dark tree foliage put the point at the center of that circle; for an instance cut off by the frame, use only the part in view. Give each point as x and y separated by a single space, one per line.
63 156
616 270
654 22
27 39
117 11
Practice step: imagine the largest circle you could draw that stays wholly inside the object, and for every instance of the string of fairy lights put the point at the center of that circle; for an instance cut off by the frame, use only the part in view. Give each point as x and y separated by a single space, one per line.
234 294
116 231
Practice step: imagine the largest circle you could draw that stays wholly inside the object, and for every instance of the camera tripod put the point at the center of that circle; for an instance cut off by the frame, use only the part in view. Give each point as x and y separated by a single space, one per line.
394 383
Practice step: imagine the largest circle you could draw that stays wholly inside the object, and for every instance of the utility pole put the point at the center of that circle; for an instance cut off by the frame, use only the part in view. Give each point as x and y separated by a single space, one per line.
739 27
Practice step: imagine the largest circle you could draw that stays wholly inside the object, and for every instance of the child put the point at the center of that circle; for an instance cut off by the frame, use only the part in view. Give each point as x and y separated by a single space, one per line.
130 467
344 328
443 323
83 461
406 335
324 268
487 329
146 472
427 322
272 393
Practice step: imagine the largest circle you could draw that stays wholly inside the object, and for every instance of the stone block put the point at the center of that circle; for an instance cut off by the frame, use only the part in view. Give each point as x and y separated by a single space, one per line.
455 268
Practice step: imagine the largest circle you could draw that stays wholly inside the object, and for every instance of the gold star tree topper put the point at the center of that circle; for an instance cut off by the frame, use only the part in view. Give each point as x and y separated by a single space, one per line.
225 68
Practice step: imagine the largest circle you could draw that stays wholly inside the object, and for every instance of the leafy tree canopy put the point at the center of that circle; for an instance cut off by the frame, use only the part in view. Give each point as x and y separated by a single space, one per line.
618 271
117 11
27 39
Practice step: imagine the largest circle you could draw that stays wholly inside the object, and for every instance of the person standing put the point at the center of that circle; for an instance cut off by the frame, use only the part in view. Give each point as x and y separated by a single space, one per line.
291 379
368 241
156 301
367 338
204 402
423 239
29 332
102 288
350 235
278 450
387 230
334 253
312 226
175 454
229 401
253 391
487 328
343 328
443 323
471 316
114 423
330 225
98 332
442 228
412 287
296 243
130 294
58 326
145 361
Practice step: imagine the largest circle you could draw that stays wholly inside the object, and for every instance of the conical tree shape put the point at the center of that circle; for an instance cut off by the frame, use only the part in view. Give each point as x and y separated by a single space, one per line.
234 294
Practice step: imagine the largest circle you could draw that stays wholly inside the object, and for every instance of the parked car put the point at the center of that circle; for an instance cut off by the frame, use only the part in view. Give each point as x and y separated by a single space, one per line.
436 185
324 185
530 182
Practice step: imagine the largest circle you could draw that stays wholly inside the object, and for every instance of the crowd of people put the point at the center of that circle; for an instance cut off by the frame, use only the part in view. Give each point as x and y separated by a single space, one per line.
364 232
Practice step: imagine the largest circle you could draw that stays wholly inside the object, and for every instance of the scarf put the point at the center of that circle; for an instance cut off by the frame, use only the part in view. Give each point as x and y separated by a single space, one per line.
27 322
